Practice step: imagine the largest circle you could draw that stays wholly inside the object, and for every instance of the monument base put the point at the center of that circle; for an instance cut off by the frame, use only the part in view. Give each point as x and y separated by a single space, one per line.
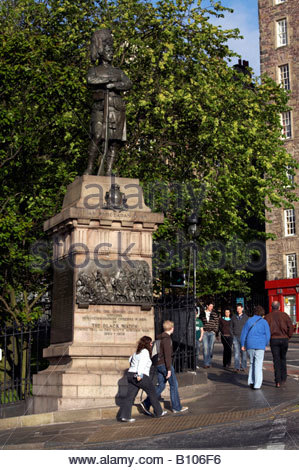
80 377
91 371
102 293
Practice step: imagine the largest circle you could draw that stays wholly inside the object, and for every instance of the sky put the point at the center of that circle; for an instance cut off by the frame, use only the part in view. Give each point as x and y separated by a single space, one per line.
245 17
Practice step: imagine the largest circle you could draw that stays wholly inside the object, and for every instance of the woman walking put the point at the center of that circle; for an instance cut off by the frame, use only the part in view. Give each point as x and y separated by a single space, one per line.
254 338
226 338
138 377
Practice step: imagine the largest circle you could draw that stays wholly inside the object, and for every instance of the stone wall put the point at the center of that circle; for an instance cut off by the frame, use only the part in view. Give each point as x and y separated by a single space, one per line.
271 58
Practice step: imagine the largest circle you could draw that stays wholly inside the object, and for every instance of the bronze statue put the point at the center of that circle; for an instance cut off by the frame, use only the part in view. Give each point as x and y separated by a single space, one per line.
108 117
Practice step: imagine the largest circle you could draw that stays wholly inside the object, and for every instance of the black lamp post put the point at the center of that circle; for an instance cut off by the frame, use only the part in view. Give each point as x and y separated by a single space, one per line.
193 222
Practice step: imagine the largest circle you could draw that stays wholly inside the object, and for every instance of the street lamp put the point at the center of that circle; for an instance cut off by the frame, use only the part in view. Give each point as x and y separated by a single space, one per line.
193 222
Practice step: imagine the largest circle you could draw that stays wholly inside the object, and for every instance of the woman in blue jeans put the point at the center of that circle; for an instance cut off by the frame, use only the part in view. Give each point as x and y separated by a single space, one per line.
138 378
254 338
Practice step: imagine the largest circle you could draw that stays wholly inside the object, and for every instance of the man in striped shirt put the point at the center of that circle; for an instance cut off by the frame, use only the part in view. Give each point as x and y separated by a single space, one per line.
210 321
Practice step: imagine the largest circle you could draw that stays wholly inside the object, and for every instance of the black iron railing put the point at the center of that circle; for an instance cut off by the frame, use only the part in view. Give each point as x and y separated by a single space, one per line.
21 349
182 312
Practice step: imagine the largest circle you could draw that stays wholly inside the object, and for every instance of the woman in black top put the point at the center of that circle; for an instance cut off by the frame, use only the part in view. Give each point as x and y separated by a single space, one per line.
226 338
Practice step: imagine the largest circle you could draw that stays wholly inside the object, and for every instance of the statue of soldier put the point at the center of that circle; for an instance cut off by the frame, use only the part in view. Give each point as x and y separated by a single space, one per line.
108 117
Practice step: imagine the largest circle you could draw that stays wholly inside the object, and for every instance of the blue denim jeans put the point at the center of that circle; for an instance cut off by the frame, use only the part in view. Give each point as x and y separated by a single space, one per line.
255 375
173 384
208 341
239 355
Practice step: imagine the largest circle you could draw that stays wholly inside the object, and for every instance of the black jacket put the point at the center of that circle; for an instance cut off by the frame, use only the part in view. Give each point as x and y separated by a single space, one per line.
236 324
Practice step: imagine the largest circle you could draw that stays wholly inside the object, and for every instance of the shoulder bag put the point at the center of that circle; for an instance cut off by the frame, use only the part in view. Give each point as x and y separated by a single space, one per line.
251 329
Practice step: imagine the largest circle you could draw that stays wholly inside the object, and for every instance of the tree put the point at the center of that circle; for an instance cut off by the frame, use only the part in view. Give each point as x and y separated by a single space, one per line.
190 123
43 100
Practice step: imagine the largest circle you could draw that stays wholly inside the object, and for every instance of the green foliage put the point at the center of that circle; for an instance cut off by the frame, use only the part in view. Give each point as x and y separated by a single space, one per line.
190 121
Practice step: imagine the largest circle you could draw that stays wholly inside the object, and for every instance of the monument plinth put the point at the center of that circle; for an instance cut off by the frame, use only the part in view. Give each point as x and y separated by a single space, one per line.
102 292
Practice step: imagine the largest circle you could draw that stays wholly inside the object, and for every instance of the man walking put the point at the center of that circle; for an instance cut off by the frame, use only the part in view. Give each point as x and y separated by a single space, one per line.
281 329
199 334
210 322
165 371
236 325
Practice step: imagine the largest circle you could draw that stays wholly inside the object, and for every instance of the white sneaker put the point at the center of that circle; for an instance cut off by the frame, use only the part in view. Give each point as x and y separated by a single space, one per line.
185 408
128 420
163 414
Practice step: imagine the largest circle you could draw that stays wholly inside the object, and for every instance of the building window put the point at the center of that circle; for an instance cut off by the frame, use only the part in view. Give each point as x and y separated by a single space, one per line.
289 219
286 124
282 34
290 176
291 266
284 76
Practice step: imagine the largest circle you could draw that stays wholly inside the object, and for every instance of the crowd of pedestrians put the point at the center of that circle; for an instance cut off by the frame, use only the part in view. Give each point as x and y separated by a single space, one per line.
242 337
248 337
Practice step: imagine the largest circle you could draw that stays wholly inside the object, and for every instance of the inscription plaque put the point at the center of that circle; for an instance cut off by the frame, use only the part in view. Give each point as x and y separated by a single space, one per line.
112 324
62 303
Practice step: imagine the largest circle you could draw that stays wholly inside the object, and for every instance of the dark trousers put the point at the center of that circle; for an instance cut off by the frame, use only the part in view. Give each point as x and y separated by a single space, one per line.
279 347
133 386
227 342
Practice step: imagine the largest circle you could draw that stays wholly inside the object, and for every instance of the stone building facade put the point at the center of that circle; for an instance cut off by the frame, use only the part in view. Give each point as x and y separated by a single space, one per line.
279 48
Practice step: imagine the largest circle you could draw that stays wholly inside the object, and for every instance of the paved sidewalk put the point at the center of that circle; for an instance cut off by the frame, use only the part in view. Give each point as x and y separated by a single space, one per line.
224 398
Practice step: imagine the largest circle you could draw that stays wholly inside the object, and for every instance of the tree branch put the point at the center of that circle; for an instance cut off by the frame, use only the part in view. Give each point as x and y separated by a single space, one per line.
10 158
37 298
9 310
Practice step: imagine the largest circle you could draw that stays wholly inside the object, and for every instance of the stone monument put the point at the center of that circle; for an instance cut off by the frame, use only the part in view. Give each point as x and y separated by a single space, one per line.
102 263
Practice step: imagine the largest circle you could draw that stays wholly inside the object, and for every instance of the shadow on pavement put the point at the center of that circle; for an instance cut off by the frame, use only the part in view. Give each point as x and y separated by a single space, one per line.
229 377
